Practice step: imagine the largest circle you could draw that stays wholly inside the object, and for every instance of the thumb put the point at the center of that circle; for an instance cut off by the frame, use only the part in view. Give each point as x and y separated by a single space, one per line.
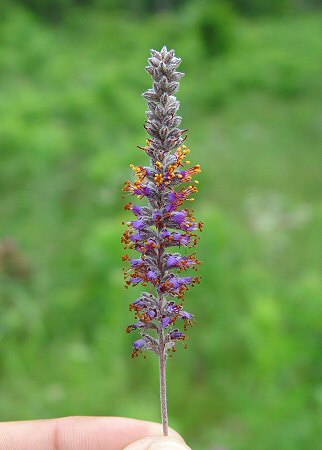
158 443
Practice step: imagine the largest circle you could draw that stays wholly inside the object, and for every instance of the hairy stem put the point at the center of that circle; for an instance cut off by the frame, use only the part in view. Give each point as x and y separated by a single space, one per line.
163 384
162 351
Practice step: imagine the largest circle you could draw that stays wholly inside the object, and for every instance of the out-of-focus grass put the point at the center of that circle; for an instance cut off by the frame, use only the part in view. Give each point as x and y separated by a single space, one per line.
70 121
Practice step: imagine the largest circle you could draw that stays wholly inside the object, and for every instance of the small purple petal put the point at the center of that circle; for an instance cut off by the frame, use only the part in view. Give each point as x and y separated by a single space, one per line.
139 303
136 262
157 215
146 191
178 217
143 190
136 280
152 313
174 261
139 344
166 321
176 334
174 282
152 275
185 315
185 280
138 224
137 325
136 237
137 210
178 282
165 233
172 308
185 239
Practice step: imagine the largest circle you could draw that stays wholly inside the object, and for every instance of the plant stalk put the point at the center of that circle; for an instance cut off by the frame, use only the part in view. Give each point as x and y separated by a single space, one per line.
163 385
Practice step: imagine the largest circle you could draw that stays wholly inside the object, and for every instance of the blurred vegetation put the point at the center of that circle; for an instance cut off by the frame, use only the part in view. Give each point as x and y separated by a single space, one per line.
71 115
59 9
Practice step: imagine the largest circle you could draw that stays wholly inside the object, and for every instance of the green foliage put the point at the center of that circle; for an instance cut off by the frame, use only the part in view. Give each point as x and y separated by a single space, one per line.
59 10
70 115
266 7
214 22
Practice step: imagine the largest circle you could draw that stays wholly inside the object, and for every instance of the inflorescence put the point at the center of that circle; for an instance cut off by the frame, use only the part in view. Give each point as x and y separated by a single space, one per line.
162 224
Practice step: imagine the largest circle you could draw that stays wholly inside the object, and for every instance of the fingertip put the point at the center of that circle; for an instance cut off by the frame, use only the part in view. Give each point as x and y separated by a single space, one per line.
158 443
155 429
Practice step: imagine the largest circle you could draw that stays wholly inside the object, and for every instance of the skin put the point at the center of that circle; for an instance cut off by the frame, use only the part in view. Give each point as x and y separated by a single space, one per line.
87 433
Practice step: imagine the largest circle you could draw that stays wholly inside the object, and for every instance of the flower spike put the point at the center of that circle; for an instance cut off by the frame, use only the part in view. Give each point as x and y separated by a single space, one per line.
163 224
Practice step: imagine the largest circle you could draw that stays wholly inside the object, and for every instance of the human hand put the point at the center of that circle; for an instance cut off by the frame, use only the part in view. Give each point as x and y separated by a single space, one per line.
87 433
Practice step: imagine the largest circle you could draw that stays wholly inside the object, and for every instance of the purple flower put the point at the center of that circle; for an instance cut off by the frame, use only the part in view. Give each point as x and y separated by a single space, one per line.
166 321
157 215
136 280
137 210
165 233
183 239
174 282
191 227
142 190
174 261
136 237
136 325
152 276
137 262
152 313
179 217
176 334
172 198
146 247
146 191
185 280
139 344
139 303
185 315
172 308
177 282
138 224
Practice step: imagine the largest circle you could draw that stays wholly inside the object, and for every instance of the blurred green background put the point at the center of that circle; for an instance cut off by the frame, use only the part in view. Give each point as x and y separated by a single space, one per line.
71 115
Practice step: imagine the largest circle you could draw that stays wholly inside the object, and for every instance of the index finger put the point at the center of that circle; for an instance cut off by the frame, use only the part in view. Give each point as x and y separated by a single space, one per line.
77 433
